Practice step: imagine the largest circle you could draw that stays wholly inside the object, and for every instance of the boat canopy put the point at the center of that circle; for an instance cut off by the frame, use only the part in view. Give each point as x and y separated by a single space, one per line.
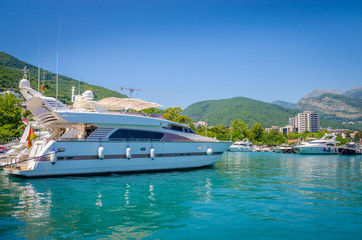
124 104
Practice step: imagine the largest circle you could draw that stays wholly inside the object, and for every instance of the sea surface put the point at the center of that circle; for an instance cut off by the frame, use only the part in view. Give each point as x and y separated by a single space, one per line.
244 196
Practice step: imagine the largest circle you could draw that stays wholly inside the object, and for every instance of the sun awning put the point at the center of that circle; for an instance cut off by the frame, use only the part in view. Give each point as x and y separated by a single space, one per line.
113 103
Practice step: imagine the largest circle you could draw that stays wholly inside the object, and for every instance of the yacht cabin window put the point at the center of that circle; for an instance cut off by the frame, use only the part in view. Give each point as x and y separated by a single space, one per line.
181 129
129 134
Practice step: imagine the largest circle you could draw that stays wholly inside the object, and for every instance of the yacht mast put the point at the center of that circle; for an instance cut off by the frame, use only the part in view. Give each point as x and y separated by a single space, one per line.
60 23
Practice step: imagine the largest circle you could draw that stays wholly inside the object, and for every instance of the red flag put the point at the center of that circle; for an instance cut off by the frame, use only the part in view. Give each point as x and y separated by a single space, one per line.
42 87
24 120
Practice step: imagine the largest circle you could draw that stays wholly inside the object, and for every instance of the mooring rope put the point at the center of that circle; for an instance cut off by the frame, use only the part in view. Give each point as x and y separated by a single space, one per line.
27 159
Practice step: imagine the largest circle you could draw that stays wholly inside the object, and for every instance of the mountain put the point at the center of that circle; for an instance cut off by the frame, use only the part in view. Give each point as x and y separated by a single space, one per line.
355 92
334 107
11 73
318 92
285 104
250 111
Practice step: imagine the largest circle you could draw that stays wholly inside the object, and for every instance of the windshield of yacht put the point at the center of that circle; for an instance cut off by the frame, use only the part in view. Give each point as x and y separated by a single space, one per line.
316 142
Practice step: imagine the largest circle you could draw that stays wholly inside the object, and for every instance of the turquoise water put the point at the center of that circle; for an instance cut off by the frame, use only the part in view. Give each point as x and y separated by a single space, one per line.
244 196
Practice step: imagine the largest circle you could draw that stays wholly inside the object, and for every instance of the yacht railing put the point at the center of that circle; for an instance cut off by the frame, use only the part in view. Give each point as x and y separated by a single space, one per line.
125 140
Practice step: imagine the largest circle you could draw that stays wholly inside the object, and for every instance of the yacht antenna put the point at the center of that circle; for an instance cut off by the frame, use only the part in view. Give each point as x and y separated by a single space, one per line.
131 90
38 76
60 23
25 71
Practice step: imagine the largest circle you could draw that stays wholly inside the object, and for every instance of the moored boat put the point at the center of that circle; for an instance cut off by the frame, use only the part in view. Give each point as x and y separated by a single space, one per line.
91 139
242 146
350 148
318 146
285 149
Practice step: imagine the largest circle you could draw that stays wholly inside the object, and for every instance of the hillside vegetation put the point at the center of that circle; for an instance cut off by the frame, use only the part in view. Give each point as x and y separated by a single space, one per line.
250 111
11 74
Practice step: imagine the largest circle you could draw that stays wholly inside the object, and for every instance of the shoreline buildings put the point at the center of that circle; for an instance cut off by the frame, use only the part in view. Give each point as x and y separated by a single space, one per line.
301 123
306 121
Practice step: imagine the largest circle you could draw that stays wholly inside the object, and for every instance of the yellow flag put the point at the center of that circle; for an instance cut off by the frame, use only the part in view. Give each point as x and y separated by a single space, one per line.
31 137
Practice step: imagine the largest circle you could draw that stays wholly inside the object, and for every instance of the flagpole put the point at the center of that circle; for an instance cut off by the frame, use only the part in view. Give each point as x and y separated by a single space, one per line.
38 76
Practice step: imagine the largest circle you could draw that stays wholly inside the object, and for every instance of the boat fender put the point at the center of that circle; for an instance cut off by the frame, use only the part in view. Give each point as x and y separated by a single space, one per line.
52 157
209 151
152 153
128 153
101 153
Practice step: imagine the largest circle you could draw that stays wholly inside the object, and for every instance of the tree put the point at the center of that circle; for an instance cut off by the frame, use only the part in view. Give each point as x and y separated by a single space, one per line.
341 139
256 133
292 135
10 116
359 134
274 137
173 114
239 130
221 132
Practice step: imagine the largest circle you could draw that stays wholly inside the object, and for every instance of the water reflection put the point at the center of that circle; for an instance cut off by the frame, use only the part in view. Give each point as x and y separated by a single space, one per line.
244 192
284 183
118 206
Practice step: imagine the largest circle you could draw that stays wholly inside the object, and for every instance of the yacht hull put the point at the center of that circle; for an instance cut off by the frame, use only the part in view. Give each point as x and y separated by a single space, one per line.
317 150
83 157
349 151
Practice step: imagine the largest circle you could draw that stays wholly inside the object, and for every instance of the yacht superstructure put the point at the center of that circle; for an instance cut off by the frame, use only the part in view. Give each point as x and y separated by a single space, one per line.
242 146
89 139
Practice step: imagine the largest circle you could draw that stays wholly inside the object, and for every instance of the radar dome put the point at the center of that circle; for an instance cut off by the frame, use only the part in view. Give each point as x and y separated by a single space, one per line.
88 95
24 83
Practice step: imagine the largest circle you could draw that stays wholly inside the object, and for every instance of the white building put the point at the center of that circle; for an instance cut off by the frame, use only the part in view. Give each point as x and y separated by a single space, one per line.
287 129
294 122
308 121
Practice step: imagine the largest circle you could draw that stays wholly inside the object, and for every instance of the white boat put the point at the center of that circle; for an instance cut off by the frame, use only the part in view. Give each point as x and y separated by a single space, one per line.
88 139
318 146
242 146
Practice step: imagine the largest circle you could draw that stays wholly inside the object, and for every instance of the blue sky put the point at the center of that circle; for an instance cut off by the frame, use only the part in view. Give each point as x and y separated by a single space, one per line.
181 52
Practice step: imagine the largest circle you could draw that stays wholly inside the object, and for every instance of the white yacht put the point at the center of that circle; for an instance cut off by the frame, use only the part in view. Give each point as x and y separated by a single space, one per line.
89 139
242 146
318 146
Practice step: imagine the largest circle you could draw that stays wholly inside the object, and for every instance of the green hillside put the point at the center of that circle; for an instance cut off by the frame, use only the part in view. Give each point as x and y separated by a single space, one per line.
248 110
11 74
224 111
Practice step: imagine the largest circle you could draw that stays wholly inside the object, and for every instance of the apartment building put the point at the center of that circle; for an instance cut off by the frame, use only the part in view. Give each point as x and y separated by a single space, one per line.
308 121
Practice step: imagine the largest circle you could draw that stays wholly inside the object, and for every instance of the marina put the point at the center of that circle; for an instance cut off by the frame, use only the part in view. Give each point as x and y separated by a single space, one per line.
245 195
181 120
